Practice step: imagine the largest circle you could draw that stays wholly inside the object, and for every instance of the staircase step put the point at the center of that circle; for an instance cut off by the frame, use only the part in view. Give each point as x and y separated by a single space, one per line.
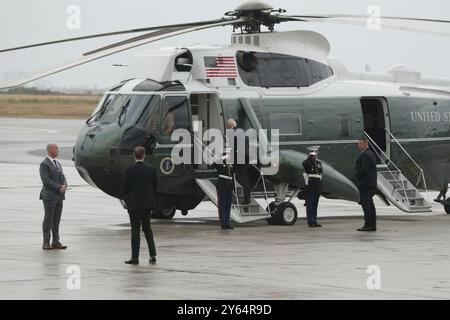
410 193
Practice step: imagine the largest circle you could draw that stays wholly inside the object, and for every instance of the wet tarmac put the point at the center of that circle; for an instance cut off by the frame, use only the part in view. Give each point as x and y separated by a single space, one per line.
196 260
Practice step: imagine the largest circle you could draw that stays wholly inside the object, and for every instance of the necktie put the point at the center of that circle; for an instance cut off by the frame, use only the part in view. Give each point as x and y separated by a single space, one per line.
56 165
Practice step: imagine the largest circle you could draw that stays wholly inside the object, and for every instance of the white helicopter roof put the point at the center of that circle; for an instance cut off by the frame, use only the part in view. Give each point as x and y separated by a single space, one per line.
160 65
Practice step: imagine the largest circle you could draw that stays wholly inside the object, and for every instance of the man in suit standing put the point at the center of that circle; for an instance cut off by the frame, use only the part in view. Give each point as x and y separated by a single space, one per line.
52 195
139 188
366 178
241 163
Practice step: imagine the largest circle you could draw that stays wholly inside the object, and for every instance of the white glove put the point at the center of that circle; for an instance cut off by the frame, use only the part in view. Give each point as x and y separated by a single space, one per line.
305 177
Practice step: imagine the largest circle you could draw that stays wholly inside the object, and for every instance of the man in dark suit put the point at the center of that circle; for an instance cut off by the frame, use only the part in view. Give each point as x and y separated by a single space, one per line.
241 163
139 188
366 178
52 195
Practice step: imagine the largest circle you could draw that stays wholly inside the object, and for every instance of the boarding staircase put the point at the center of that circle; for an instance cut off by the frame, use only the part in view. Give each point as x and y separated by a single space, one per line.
394 185
206 179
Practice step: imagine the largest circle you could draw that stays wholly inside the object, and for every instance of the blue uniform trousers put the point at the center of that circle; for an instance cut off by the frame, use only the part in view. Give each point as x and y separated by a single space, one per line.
312 199
224 198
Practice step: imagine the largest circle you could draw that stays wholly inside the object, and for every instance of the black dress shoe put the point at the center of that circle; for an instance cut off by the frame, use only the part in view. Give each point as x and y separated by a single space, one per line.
58 245
317 225
311 225
367 229
224 227
230 227
47 246
152 260
132 261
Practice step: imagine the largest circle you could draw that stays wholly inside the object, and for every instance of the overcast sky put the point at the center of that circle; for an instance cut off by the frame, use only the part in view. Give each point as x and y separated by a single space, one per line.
29 21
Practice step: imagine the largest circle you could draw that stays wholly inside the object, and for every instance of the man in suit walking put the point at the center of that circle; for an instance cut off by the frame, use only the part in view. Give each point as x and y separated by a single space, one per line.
52 195
139 188
366 178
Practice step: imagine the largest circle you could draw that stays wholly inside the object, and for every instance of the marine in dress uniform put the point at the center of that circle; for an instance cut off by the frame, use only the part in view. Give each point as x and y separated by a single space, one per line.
313 182
225 187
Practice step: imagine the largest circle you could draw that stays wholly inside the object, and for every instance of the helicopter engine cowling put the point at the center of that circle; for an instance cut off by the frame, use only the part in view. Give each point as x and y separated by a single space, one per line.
334 184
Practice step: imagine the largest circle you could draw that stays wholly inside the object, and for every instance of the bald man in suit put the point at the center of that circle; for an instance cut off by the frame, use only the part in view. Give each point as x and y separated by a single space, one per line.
52 195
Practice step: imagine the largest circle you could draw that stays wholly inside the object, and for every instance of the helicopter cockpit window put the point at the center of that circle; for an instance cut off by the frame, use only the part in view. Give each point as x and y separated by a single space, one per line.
174 114
96 112
261 69
150 117
112 108
133 108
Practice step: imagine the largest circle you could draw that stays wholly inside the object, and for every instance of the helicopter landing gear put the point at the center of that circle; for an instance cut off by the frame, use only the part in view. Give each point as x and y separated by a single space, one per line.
163 213
283 213
447 205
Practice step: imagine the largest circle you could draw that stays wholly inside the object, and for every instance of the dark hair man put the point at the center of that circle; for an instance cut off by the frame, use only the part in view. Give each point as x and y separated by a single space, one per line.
139 188
366 179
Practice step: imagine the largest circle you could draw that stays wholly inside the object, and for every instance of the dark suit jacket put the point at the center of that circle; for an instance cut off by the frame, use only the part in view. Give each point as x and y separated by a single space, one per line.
366 170
51 180
140 186
239 154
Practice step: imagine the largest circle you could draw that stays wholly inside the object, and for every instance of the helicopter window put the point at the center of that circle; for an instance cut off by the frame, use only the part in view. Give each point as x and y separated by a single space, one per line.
286 123
150 117
97 109
112 108
260 69
345 125
174 114
133 108
282 72
319 71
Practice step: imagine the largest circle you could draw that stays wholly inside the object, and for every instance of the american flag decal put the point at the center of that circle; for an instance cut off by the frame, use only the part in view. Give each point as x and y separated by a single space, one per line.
220 67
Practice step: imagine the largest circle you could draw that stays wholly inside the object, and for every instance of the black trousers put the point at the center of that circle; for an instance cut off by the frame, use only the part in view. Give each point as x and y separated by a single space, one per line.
370 214
52 218
138 217
312 199
242 178
224 198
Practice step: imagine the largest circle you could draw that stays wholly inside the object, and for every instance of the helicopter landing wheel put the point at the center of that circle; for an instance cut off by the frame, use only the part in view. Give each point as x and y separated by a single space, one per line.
447 206
163 213
285 214
271 208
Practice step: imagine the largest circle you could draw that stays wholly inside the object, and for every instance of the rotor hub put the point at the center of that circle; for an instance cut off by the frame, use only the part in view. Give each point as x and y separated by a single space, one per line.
255 15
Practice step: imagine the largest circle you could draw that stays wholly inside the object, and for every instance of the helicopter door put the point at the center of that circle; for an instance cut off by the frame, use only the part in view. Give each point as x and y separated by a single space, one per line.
376 121
207 110
174 115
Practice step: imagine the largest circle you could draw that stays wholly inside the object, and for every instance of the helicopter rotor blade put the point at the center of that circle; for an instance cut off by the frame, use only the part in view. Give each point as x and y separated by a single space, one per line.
355 16
99 35
113 49
363 24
